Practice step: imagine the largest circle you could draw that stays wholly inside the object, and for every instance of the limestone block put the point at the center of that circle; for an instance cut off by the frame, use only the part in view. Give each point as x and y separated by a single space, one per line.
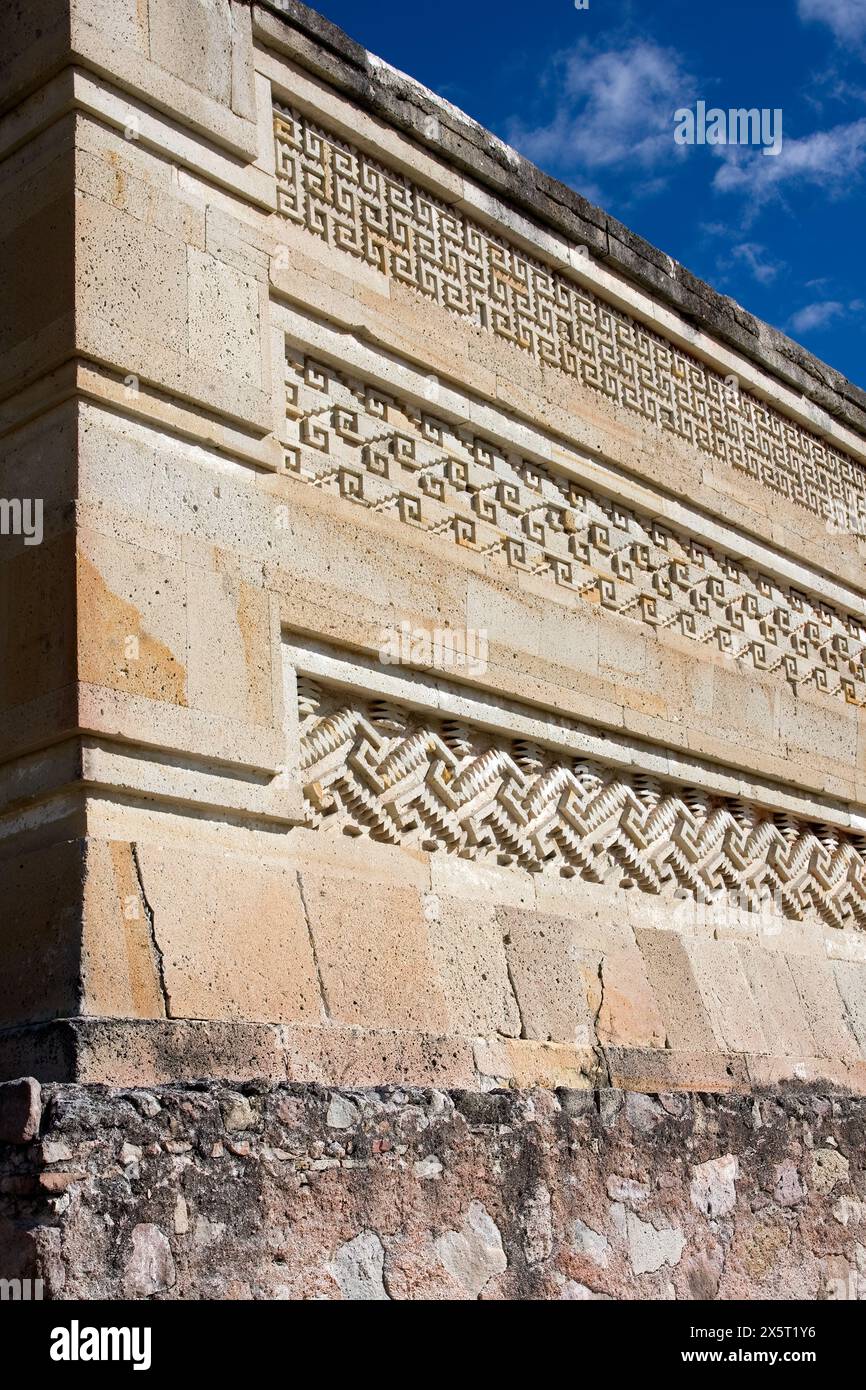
37 622
851 981
373 954
41 893
629 1015
784 1020
688 1027
556 978
120 964
193 40
470 966
132 620
159 309
132 285
231 936
361 1056
123 22
727 997
192 60
525 1063
229 648
225 329
818 729
824 1008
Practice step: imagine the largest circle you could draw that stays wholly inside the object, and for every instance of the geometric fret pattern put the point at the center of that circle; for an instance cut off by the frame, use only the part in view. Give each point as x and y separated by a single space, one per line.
376 214
385 454
370 766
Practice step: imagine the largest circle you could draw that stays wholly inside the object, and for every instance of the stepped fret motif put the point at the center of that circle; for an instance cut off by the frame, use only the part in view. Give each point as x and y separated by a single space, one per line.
371 766
377 215
382 453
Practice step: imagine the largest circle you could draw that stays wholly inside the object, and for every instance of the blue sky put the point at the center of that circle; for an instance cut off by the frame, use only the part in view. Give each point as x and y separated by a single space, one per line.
590 95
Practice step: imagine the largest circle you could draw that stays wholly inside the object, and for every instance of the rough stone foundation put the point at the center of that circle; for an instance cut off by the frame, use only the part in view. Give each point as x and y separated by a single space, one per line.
299 1191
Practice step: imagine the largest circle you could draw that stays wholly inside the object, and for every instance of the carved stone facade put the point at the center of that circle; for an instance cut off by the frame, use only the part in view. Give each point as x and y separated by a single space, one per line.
356 203
373 766
298 360
399 460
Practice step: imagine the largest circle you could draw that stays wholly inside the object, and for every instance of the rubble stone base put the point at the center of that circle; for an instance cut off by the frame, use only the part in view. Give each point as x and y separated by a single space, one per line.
294 1191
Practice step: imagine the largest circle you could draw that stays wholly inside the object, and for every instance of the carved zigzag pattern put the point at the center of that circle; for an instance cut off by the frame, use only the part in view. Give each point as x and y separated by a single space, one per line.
376 214
372 767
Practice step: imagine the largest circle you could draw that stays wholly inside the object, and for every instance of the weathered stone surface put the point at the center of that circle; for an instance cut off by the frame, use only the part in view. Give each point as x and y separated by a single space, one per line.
319 384
20 1110
253 1191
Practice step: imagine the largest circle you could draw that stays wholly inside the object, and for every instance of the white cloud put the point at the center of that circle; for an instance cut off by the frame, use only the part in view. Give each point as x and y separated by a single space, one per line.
612 108
822 313
752 255
817 315
845 18
829 160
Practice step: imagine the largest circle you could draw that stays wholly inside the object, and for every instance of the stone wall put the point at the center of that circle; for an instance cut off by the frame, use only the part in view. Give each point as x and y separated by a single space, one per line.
432 733
444 659
300 1191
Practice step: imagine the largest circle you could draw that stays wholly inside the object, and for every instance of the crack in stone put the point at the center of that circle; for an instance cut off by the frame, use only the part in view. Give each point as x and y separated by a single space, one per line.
151 925
601 1000
523 1032
599 1044
319 976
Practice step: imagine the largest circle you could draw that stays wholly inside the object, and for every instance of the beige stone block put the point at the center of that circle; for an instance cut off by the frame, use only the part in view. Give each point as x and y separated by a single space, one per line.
119 961
194 41
359 859
469 962
688 1027
556 978
851 981
224 322
232 936
161 723
825 1011
475 880
145 308
229 648
122 174
629 1015
131 278
121 21
751 705
820 728
102 44
132 621
341 1056
849 1077
41 938
373 955
527 1064
724 988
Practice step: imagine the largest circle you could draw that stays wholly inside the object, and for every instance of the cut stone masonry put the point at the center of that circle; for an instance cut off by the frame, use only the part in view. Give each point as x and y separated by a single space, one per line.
298 357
